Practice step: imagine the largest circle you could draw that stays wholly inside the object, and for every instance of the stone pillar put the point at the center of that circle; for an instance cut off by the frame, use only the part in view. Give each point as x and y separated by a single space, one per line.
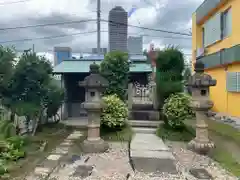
94 85
155 96
64 113
201 104
130 94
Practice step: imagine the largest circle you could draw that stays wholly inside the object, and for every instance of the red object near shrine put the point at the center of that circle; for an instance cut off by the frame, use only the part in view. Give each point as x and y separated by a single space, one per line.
152 54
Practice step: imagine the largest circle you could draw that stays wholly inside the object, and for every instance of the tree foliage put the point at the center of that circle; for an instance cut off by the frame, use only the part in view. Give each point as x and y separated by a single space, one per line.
115 69
170 66
29 84
7 55
54 99
29 88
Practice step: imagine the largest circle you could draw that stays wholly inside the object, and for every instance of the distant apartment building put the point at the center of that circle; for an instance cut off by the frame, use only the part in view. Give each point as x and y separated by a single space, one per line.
118 29
135 45
61 53
102 50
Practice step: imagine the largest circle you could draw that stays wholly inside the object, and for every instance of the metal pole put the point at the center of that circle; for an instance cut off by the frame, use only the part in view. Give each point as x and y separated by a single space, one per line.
98 27
33 48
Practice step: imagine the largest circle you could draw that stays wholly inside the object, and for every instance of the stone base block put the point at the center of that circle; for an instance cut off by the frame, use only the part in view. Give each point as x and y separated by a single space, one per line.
149 154
144 115
203 148
95 146
154 161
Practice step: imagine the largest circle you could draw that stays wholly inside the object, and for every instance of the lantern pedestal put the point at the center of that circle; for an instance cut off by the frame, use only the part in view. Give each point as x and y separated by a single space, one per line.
201 104
94 146
94 85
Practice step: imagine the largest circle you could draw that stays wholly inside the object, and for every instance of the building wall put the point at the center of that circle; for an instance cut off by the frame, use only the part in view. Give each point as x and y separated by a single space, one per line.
61 53
135 45
224 101
117 29
102 50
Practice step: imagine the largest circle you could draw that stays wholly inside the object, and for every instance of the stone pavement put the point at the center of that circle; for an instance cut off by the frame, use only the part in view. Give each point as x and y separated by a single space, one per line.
149 154
67 163
43 170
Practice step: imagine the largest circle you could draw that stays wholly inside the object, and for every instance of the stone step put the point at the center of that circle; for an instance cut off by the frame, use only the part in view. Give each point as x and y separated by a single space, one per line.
141 123
142 107
149 154
144 130
144 115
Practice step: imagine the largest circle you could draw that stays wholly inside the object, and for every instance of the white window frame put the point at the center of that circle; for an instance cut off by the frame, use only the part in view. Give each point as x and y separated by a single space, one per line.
226 23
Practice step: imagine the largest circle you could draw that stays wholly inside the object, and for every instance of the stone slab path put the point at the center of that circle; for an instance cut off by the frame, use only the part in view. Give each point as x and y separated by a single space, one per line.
43 170
149 154
68 163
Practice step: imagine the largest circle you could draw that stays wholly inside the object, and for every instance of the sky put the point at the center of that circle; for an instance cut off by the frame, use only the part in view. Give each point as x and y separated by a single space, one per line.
171 15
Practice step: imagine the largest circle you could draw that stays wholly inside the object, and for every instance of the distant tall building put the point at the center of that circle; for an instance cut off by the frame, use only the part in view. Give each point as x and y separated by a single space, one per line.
135 45
61 53
102 50
118 29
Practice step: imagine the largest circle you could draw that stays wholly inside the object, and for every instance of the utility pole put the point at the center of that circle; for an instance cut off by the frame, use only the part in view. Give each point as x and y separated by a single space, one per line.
33 48
98 27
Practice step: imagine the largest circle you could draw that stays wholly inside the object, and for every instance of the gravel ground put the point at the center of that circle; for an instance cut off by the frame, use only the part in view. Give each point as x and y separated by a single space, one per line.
188 159
114 165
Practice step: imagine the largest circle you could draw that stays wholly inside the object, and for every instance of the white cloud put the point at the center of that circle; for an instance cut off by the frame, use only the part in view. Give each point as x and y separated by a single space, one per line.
159 14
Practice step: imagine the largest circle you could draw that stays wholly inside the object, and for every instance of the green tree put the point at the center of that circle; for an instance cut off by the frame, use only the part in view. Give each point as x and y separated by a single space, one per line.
29 86
54 99
187 73
7 59
169 75
7 56
115 68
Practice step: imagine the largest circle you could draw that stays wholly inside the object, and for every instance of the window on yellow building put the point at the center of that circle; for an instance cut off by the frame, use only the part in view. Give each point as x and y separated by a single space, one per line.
226 23
212 30
233 81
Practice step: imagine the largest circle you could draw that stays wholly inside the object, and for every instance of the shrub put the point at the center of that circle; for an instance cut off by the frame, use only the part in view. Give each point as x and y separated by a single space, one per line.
7 129
115 112
176 109
169 72
55 97
115 69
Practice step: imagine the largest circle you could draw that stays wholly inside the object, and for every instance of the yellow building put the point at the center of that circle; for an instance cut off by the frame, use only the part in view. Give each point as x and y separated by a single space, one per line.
216 42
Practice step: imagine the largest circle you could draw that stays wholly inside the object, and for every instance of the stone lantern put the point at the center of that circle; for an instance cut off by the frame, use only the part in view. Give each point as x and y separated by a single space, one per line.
201 104
94 85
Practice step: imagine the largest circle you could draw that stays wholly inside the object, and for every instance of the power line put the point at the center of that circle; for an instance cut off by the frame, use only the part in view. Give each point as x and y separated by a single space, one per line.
88 20
148 35
146 28
14 2
81 33
49 24
48 37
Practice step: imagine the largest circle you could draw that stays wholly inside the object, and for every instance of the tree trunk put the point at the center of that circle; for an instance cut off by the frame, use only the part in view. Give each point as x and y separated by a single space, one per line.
35 126
12 116
27 124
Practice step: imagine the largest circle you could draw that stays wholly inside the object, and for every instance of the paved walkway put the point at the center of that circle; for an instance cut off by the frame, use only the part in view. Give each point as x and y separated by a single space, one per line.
52 161
67 162
150 154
